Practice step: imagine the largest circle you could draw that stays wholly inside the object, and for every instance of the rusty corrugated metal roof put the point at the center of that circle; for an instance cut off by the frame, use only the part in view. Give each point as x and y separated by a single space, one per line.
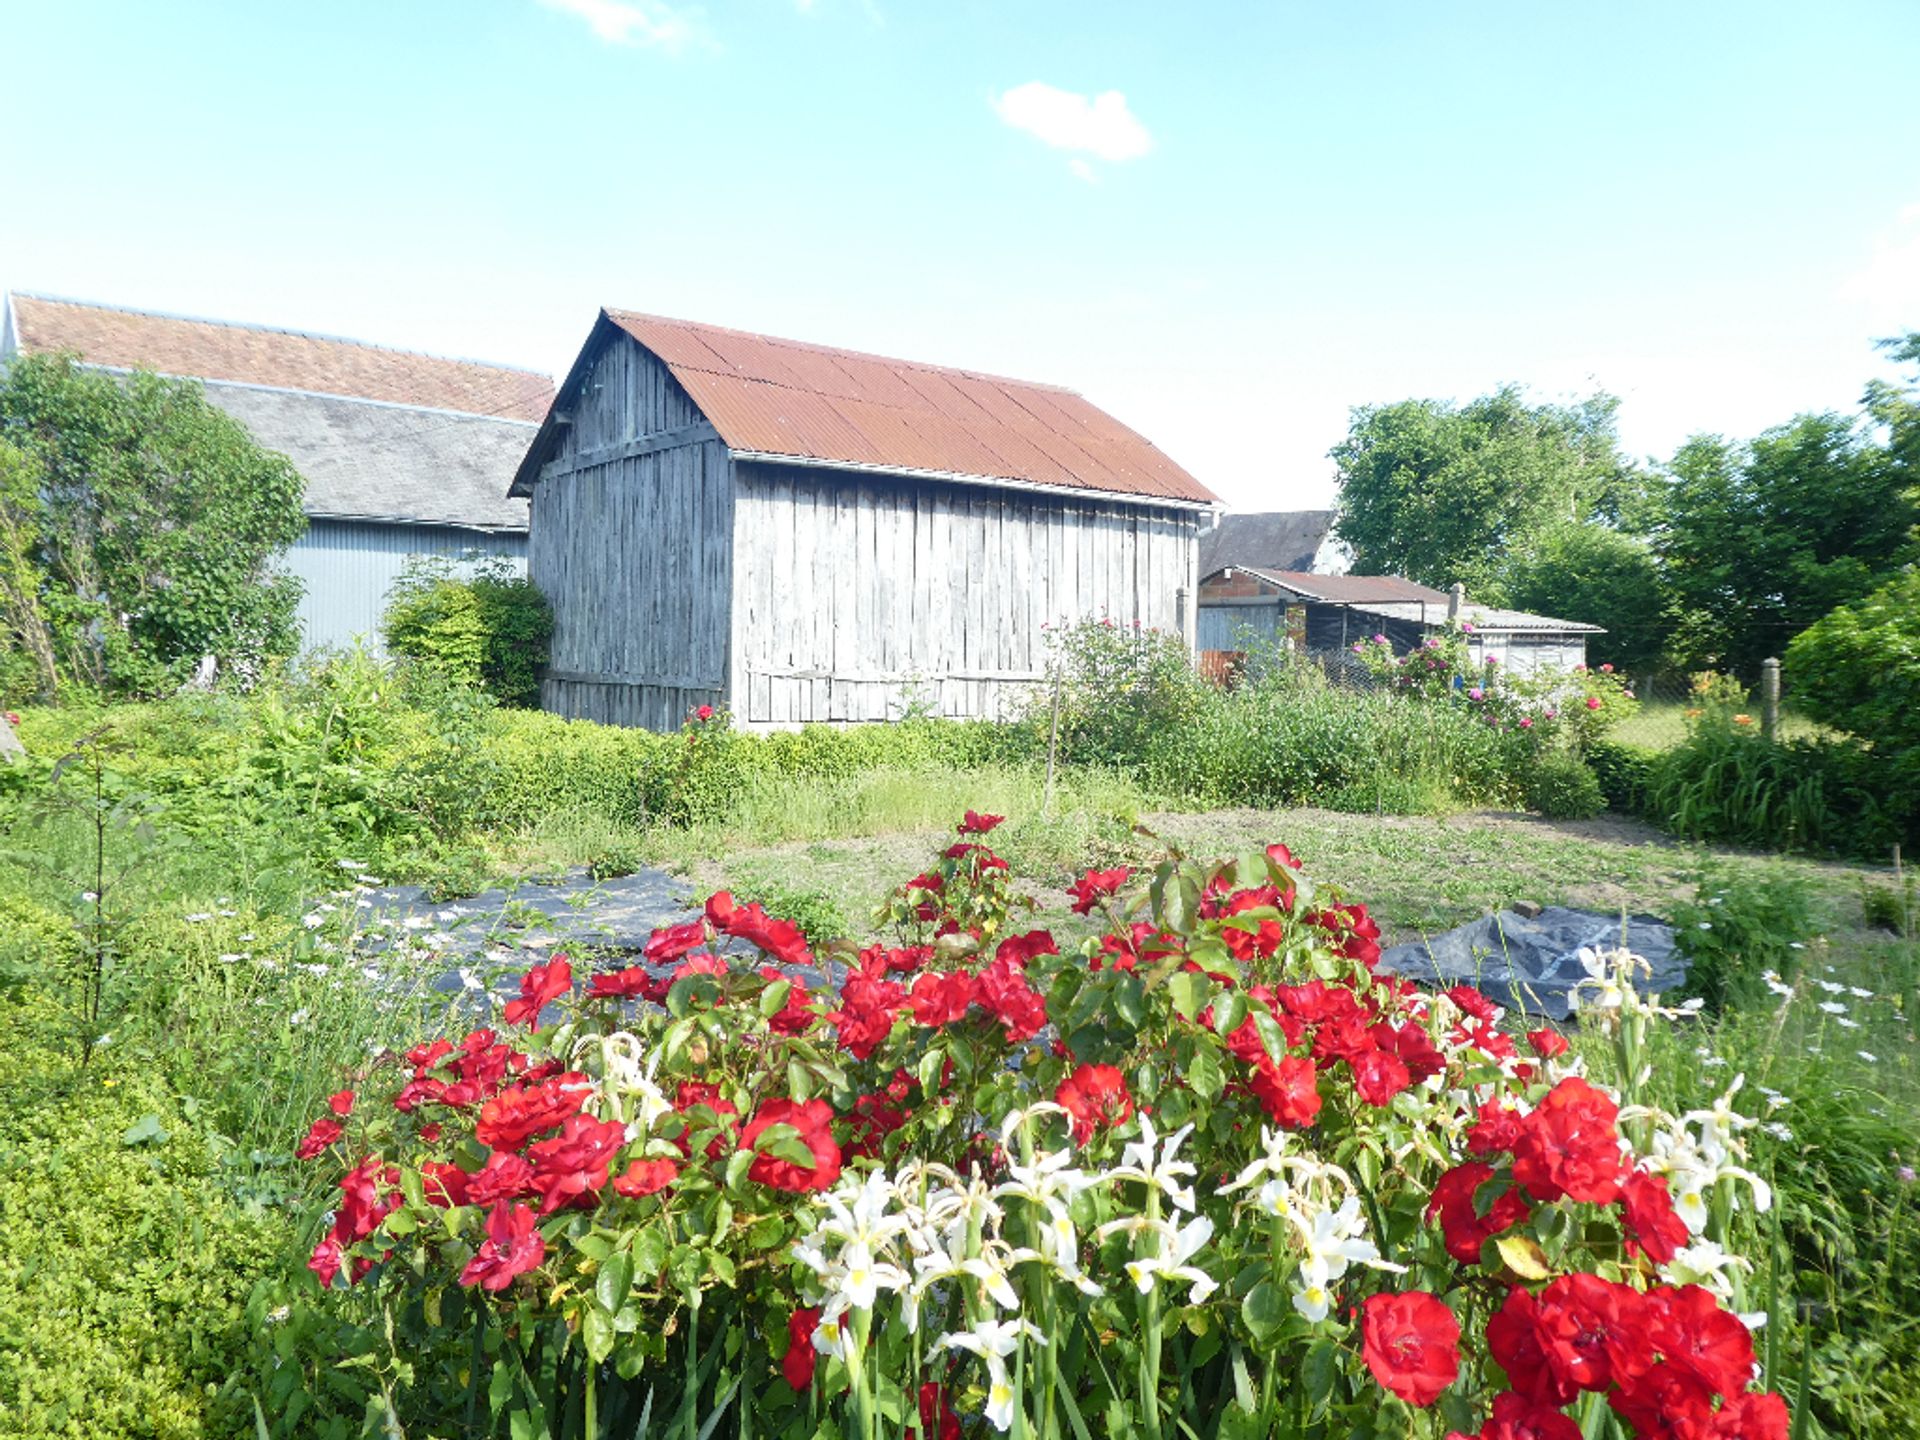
280 359
812 402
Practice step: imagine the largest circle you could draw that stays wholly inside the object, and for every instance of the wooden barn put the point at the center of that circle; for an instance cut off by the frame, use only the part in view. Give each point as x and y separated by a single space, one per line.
809 534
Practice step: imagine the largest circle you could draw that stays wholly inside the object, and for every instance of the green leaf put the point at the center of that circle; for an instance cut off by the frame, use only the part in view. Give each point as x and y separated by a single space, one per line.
1130 1001
649 1252
597 1330
611 1285
799 1081
1229 1013
1189 992
1317 1372
144 1131
773 999
1209 1082
1265 1310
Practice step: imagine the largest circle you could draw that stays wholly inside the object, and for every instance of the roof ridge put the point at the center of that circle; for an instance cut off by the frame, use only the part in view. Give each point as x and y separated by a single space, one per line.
317 335
615 311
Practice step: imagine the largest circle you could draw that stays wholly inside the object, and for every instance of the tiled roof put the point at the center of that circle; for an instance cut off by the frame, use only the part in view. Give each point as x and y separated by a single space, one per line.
283 359
840 407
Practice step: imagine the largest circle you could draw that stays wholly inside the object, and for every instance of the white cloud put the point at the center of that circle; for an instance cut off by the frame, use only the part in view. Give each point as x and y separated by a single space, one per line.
1889 283
1085 171
633 22
1101 126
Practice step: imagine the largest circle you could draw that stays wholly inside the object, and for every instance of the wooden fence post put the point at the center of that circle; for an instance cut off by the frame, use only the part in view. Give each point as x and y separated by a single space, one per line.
1053 745
1770 698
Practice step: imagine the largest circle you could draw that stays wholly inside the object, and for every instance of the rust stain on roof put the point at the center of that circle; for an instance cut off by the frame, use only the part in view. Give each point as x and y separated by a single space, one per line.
813 402
280 359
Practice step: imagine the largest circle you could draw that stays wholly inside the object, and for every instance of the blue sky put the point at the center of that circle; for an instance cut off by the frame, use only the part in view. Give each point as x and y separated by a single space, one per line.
1227 223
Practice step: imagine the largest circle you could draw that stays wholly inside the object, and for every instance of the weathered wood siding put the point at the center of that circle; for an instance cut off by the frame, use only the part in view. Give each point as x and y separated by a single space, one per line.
631 542
856 597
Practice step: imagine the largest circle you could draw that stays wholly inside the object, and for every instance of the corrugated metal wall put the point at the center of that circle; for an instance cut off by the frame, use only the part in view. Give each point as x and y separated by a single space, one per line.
348 566
1220 625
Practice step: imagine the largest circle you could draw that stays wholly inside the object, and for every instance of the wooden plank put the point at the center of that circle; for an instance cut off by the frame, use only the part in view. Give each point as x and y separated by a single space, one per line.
697 434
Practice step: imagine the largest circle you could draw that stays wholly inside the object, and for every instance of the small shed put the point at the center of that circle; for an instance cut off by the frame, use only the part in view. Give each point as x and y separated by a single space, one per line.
1326 614
804 533
404 454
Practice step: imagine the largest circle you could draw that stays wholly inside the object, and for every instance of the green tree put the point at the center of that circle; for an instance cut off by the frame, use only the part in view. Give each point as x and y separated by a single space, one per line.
489 628
1440 493
155 523
1763 539
1596 574
1858 669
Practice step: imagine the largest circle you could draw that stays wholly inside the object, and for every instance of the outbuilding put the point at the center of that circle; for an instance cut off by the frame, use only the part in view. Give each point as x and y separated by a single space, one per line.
404 454
1243 606
802 533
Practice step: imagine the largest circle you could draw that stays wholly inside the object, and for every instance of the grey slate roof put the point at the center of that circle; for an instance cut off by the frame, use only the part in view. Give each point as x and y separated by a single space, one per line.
1272 540
368 460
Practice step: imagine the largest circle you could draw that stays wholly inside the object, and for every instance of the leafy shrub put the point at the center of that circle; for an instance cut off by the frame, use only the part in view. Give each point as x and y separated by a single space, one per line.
1728 783
1741 924
1118 686
1859 668
139 529
453 872
1564 787
1624 772
1894 907
122 1291
490 628
616 856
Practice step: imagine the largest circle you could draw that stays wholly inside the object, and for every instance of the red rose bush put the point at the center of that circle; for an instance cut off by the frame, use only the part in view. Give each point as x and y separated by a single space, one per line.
1204 1166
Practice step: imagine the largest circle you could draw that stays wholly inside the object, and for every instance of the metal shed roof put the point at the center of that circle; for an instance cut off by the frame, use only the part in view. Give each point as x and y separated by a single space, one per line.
779 399
1339 589
1484 618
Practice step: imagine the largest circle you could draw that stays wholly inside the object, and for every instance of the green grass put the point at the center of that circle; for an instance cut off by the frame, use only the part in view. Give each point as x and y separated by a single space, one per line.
1662 724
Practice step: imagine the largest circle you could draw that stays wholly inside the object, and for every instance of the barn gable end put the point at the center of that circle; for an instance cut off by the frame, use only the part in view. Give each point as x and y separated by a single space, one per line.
632 522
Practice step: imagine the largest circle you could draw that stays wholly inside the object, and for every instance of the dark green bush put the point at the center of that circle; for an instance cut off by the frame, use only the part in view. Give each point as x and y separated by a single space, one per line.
1118 687
1729 783
490 628
1624 772
1741 923
1561 786
1858 669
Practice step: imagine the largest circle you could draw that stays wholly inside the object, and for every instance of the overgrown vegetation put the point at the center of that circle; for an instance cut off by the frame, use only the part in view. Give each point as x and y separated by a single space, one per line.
485 627
139 527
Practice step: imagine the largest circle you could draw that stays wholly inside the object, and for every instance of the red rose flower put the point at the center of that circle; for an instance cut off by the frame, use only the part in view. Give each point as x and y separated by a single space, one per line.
811 1118
937 1416
1095 886
1569 1146
1003 989
1548 1043
941 999
1461 1222
1664 1402
1692 1330
978 824
341 1103
704 713
1019 949
575 1162
1495 1129
868 1008
1593 1331
1513 1339
1652 1226
693 1097
797 1365
1280 855
672 941
1474 1003
505 1176
1411 1344
797 1015
324 1133
1515 1417
520 1112
513 1247
1379 1076
540 987
1095 1096
1758 1415
645 1177
325 1262
629 984
1288 1090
